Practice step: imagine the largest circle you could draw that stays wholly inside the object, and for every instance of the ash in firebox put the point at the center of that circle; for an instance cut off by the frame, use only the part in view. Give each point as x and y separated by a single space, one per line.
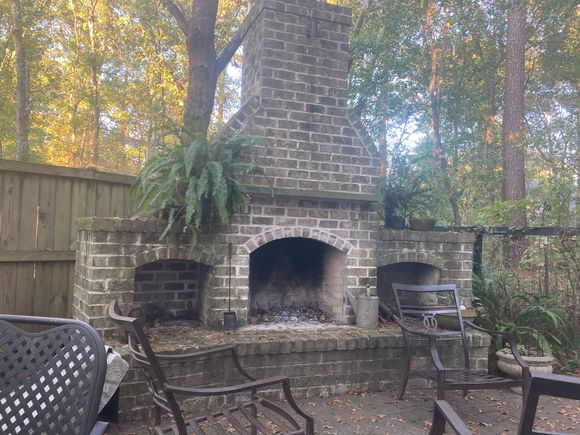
288 315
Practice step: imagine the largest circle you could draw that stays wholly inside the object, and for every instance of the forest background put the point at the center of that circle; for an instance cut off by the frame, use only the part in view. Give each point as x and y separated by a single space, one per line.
103 77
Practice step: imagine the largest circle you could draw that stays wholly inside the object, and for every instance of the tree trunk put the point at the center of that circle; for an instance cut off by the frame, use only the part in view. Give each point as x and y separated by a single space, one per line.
202 66
437 58
22 86
221 101
95 83
514 180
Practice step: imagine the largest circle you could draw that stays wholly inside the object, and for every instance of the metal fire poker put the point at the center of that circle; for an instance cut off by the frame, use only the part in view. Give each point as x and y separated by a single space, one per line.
230 321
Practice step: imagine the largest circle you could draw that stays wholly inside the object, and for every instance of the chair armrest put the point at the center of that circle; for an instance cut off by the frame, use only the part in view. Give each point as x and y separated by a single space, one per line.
99 428
218 391
443 414
180 357
479 328
512 341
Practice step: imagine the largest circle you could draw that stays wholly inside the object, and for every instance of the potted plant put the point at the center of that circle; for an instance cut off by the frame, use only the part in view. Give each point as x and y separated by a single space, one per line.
192 183
405 193
450 321
534 318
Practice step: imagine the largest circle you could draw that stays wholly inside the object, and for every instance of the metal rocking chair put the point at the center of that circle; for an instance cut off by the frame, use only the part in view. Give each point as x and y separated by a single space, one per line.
50 381
252 416
418 307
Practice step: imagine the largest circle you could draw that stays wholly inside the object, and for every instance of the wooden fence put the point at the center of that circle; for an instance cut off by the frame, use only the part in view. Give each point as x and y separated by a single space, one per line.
39 205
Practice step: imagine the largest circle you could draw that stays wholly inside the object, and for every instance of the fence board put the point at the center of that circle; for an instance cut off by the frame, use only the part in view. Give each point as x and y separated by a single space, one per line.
39 205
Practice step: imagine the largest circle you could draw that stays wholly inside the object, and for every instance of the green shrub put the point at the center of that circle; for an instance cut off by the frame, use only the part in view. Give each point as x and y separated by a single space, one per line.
503 305
193 183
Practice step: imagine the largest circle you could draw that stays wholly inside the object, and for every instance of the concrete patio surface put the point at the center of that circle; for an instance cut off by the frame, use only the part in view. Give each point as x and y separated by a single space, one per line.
485 412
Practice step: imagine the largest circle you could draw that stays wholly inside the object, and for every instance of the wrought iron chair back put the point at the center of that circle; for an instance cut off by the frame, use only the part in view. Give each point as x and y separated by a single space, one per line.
419 305
50 381
417 308
242 417
144 356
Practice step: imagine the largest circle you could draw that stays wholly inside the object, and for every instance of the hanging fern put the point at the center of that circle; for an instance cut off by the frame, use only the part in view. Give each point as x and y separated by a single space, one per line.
192 183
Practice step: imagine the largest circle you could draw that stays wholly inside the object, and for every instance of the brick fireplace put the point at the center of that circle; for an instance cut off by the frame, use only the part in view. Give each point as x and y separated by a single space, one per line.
317 196
310 231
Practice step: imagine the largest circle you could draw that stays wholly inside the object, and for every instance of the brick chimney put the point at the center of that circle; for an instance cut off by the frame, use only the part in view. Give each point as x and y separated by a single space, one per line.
294 95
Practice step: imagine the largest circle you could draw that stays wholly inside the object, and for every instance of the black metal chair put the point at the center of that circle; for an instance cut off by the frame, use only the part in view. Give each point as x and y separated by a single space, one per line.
417 308
252 416
50 381
539 384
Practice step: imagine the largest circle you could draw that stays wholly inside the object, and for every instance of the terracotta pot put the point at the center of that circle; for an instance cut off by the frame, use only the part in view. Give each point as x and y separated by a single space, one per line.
422 224
507 363
449 321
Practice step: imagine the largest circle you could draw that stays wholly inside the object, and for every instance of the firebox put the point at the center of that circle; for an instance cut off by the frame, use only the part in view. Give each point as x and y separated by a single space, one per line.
170 289
296 275
404 273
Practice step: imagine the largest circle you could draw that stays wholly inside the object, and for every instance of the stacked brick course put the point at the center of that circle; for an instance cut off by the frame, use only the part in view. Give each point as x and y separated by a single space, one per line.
449 254
318 363
170 289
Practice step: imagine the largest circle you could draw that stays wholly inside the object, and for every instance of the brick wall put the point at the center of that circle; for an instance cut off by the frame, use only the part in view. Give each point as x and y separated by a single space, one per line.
170 289
294 91
449 255
319 363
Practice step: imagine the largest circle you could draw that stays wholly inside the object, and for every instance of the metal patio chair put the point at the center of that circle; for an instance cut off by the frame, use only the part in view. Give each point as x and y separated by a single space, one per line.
50 381
539 384
417 308
256 415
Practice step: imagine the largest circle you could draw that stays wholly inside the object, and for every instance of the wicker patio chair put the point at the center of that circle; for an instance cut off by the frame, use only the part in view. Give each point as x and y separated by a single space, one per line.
50 381
539 384
252 416
418 307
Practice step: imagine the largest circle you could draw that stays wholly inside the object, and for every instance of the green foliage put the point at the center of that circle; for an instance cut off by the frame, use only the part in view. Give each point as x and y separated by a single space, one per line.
193 183
406 191
503 305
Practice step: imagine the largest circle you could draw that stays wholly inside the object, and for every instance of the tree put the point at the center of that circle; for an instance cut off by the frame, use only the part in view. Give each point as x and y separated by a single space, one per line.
204 65
22 84
514 178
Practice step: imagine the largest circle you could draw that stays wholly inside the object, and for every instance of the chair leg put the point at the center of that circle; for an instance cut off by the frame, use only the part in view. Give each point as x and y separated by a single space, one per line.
438 426
405 379
254 412
440 387
157 416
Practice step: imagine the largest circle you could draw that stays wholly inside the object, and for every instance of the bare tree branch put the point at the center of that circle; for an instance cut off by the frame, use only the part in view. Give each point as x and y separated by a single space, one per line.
357 29
229 50
178 14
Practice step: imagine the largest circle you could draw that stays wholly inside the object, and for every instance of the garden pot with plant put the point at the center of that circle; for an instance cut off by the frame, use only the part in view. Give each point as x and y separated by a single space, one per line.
406 194
450 321
192 183
506 362
534 318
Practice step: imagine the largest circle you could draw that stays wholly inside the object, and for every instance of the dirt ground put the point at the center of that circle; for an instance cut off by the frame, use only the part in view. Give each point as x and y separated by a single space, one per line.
485 412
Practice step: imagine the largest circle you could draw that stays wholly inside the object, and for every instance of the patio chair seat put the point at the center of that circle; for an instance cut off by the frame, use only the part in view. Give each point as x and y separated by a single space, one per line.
240 419
476 380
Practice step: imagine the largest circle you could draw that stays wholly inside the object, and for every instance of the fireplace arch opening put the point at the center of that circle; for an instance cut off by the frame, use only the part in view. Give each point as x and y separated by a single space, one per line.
297 277
404 273
173 289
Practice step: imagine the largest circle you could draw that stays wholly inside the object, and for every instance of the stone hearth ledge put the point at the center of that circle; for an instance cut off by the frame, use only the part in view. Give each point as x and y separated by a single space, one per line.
321 362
